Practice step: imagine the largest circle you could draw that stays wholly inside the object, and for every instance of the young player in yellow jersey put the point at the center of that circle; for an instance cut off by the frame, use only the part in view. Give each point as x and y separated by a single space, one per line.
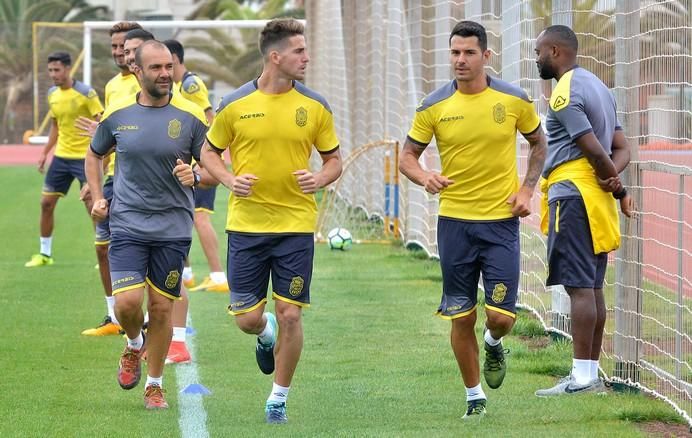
68 100
120 86
193 89
272 212
475 120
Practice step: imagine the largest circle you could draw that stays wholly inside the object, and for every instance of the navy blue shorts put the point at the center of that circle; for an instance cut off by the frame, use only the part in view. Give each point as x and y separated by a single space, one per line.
468 249
204 199
135 263
571 260
60 175
103 229
252 257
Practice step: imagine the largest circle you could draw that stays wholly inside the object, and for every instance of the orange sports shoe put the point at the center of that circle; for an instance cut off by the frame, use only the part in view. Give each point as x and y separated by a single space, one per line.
130 367
177 353
153 397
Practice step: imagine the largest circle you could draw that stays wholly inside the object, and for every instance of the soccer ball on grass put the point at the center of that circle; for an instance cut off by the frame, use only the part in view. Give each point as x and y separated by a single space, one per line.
339 238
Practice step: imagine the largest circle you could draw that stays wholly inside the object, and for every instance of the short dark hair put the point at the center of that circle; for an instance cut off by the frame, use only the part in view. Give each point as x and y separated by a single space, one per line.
138 52
139 34
278 30
176 49
467 29
563 35
124 26
62 57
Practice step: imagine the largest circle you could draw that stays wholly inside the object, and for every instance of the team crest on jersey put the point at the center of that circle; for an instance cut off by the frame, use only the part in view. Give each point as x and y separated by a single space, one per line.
296 287
301 117
499 293
193 88
174 128
172 279
559 102
499 113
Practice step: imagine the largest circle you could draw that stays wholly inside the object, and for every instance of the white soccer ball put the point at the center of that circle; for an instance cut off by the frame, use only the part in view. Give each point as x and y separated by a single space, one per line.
339 238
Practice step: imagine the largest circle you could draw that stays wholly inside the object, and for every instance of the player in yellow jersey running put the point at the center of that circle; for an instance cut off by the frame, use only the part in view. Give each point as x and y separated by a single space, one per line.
272 213
192 88
475 119
120 86
68 99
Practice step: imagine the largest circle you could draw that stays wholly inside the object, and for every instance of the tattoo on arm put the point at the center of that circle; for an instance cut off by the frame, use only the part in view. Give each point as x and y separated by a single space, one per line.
536 157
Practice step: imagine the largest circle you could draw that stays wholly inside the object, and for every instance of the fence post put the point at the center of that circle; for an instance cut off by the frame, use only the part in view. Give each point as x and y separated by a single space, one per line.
628 271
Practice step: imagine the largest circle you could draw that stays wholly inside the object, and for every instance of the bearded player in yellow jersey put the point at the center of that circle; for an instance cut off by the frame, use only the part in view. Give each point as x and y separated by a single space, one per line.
475 119
68 99
272 212
120 86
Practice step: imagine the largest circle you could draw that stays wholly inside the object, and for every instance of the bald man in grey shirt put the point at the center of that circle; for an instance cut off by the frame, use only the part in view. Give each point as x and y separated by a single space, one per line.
155 134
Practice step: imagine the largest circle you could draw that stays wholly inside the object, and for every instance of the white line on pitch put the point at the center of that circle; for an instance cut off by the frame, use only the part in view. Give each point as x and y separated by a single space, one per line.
193 417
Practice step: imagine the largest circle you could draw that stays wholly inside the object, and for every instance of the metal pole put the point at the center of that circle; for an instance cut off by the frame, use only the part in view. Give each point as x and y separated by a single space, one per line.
87 54
678 317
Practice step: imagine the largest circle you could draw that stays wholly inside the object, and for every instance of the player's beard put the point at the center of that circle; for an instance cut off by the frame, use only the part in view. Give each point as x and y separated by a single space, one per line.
545 70
155 91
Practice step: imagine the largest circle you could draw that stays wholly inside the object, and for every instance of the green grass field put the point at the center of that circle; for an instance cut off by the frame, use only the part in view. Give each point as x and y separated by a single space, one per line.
376 361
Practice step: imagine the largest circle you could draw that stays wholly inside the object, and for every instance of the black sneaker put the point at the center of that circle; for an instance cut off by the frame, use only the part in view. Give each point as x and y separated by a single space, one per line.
265 353
475 409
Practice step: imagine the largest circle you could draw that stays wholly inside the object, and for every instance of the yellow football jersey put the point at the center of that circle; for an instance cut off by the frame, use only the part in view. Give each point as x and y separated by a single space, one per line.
271 136
192 88
66 106
476 137
118 88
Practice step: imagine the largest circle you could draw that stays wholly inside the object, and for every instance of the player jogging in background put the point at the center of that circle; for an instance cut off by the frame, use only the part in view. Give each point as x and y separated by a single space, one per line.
586 151
192 88
272 213
120 86
68 99
475 119
156 133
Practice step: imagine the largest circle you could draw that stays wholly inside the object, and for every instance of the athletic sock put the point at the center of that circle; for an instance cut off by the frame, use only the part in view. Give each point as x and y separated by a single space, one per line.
490 340
46 245
218 277
279 394
475 393
581 371
179 334
136 343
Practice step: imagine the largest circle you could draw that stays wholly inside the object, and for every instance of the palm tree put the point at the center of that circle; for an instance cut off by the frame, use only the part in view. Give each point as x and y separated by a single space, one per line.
16 17
233 58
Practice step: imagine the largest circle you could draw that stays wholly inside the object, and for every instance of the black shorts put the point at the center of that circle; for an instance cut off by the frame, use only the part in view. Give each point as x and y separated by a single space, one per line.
60 175
135 263
204 199
468 249
251 259
571 260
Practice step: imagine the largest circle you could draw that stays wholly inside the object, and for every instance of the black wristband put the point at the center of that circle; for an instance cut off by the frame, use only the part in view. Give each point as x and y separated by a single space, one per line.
621 194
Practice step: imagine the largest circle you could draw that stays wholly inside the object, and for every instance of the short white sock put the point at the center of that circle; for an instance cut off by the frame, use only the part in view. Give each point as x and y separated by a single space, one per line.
279 394
110 304
490 340
218 277
594 369
146 317
136 343
267 334
475 393
187 272
179 334
154 381
46 245
581 371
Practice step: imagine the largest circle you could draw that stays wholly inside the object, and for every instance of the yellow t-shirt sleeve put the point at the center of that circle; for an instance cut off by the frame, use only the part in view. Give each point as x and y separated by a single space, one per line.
528 118
326 140
220 134
197 93
423 128
94 103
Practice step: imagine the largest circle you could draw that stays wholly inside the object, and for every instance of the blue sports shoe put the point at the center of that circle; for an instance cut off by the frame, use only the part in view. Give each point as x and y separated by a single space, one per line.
276 413
264 353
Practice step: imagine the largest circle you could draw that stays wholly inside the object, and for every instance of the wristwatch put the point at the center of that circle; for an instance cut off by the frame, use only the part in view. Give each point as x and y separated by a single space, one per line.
198 178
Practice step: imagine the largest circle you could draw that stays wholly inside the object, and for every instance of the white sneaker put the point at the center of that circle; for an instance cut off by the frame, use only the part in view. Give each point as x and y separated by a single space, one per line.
568 386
